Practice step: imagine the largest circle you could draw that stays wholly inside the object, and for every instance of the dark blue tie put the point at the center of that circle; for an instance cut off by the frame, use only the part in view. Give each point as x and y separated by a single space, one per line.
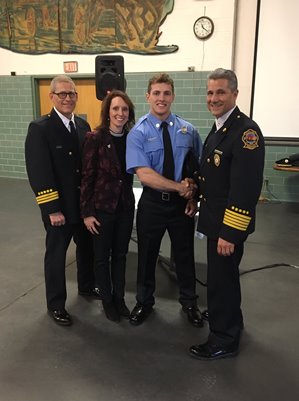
73 129
75 136
168 164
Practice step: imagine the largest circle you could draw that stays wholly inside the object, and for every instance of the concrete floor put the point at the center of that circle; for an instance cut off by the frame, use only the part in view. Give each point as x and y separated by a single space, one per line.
97 360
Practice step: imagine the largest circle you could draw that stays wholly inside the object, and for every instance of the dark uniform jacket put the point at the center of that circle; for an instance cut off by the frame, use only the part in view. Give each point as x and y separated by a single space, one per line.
53 162
103 183
230 179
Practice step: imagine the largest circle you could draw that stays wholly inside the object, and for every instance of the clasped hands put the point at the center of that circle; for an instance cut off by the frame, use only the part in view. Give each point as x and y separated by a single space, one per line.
188 188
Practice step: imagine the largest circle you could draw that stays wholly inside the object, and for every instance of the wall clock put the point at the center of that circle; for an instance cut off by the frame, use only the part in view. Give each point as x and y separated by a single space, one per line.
203 28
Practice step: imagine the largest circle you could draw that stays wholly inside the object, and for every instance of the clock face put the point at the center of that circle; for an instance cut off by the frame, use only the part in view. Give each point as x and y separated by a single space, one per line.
203 27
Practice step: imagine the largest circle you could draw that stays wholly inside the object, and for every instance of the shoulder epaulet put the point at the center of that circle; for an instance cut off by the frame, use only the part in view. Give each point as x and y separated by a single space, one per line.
43 118
141 120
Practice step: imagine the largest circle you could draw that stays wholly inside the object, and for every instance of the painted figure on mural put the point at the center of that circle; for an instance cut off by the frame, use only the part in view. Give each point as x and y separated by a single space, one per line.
85 26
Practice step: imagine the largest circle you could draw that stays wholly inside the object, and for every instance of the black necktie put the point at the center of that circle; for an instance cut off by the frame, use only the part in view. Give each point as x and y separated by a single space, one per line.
73 129
168 164
74 135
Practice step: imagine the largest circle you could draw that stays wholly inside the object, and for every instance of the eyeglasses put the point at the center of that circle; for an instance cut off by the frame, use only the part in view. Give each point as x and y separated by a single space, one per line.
63 95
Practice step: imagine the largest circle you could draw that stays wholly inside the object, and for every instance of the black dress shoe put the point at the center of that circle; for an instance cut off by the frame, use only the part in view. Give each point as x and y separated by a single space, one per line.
94 292
60 316
194 315
210 352
121 307
111 311
139 314
205 315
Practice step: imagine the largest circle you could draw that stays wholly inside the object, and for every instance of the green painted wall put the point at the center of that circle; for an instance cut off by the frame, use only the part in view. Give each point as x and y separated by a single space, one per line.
17 109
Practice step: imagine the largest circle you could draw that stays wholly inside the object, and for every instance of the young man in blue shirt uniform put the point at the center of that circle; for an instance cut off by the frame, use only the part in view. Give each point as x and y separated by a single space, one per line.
166 202
230 182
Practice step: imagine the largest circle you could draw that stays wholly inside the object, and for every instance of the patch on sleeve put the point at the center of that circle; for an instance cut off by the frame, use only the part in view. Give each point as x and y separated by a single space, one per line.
250 139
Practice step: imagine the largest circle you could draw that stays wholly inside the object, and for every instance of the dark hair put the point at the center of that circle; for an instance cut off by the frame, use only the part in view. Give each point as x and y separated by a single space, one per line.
106 108
161 78
221 73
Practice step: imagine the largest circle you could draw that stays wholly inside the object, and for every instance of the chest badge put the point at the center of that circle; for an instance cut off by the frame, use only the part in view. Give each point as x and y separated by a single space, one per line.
217 160
250 139
184 130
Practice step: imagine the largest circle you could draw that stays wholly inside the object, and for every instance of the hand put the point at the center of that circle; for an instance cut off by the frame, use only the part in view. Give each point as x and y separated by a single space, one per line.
225 248
191 208
92 224
57 219
188 188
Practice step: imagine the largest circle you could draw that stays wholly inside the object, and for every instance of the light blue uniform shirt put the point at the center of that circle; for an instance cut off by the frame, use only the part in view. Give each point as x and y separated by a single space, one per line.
145 143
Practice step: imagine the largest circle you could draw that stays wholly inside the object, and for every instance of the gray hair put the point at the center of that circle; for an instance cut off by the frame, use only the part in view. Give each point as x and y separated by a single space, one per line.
229 75
61 78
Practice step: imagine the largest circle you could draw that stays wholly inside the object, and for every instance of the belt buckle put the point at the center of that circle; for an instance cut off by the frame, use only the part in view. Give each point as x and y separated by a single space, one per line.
166 196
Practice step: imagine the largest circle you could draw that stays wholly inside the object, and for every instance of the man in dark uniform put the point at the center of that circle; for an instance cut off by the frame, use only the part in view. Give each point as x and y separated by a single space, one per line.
163 204
53 161
230 180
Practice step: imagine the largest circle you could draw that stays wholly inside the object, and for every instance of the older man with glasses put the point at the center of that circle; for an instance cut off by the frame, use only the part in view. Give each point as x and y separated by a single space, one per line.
53 160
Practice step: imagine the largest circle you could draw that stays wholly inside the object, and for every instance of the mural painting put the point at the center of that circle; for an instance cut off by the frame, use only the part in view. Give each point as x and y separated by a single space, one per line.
84 26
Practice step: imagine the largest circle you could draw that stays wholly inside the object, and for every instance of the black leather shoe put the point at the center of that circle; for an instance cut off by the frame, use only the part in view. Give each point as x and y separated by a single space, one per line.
94 292
60 316
139 314
121 307
194 315
205 315
111 311
209 352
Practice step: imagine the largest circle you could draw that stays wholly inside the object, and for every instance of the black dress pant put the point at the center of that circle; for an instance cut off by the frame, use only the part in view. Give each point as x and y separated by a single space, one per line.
57 243
154 217
110 252
224 295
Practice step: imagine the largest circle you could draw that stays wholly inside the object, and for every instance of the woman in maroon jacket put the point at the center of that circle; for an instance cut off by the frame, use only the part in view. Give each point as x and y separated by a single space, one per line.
107 200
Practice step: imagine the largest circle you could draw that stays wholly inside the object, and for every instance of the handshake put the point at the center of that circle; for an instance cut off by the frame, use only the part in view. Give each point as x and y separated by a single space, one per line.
188 188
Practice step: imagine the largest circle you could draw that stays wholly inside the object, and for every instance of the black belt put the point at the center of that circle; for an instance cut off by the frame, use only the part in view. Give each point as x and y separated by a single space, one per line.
162 196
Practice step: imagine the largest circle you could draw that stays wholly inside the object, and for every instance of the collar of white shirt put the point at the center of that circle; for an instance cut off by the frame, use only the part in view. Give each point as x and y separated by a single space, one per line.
65 120
221 120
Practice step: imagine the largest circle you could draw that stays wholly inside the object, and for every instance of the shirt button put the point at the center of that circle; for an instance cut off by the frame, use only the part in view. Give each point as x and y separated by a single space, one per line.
199 177
78 187
77 171
70 153
208 160
200 196
203 178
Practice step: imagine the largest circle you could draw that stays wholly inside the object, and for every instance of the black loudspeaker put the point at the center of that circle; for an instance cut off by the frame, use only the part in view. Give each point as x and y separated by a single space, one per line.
109 75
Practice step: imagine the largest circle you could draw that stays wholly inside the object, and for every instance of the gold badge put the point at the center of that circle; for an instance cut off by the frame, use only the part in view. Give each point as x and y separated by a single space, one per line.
250 139
217 160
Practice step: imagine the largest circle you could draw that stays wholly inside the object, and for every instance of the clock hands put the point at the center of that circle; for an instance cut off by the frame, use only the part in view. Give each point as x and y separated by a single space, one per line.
204 28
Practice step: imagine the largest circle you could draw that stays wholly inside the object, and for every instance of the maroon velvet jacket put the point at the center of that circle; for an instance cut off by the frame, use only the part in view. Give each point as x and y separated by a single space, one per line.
103 182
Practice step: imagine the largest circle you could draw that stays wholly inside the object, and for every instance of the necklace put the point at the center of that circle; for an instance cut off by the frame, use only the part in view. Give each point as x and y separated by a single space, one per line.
116 133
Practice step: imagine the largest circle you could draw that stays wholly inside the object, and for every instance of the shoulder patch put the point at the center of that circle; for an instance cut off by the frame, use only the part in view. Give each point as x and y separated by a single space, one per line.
250 139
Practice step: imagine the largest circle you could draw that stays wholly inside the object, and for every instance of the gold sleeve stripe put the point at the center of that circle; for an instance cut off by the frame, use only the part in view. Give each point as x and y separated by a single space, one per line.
47 197
236 220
